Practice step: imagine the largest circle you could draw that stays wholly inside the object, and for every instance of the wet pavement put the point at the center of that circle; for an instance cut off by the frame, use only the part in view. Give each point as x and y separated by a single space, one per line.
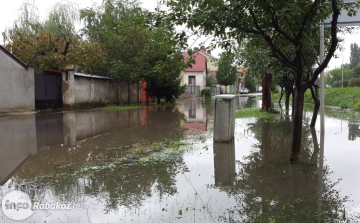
161 165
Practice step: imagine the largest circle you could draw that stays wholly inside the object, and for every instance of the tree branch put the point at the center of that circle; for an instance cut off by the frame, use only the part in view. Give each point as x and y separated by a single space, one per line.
305 20
274 21
277 53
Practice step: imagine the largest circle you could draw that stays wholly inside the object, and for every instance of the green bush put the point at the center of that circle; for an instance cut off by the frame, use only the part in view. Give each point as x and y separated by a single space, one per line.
354 82
249 83
206 93
338 83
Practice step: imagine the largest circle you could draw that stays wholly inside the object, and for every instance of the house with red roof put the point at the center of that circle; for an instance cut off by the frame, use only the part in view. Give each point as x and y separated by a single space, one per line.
212 68
195 77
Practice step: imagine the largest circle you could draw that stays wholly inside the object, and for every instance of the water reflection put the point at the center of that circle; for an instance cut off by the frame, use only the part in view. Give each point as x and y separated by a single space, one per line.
17 143
195 115
65 141
354 131
268 188
81 158
224 163
248 102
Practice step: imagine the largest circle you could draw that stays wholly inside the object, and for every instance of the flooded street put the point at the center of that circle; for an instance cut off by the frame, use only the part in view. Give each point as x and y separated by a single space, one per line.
160 165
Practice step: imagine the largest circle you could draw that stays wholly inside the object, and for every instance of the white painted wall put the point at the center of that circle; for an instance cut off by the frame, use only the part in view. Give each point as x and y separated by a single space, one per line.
200 78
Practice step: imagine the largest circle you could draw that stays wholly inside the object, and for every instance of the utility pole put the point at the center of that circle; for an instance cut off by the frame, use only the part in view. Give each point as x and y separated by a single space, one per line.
342 70
322 82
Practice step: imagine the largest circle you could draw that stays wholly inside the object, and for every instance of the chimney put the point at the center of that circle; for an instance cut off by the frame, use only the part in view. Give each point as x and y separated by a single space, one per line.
203 48
209 52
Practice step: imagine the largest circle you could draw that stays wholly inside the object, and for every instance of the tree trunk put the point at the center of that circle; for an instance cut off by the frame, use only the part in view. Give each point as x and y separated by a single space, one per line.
287 100
138 93
266 92
298 105
316 146
147 94
129 93
315 95
281 95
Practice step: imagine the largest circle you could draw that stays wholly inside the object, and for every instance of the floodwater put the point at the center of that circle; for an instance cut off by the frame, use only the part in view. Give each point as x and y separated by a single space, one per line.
161 165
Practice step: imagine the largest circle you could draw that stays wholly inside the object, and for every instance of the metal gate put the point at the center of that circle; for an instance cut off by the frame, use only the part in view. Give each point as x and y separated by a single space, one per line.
48 90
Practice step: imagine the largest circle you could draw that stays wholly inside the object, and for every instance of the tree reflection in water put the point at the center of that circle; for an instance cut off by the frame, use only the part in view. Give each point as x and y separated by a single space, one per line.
127 184
60 175
268 188
354 131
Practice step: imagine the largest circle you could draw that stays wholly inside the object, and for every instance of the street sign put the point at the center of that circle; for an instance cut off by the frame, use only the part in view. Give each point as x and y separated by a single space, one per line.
344 19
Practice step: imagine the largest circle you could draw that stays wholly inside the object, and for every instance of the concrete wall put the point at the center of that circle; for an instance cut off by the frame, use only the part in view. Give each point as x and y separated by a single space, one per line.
83 90
102 91
17 90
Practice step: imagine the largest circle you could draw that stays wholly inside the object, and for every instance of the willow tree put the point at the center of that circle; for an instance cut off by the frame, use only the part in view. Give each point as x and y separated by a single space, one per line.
277 23
52 43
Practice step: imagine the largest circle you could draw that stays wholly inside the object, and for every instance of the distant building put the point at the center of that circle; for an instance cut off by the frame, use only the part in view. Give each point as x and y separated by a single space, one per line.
194 77
241 79
212 68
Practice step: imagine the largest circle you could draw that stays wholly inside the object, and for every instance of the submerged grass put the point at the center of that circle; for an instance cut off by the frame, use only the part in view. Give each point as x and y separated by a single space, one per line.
123 107
256 113
136 106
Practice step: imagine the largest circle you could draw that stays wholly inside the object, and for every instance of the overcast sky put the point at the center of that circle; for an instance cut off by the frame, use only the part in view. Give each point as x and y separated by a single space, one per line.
10 13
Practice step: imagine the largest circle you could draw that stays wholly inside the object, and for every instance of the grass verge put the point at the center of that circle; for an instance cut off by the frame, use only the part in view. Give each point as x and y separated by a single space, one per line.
253 113
345 98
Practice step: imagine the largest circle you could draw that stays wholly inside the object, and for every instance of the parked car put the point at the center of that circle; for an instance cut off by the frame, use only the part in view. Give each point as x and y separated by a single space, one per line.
244 91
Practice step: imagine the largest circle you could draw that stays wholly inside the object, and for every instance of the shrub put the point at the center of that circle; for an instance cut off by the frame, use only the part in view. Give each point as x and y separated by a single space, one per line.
206 93
338 83
354 82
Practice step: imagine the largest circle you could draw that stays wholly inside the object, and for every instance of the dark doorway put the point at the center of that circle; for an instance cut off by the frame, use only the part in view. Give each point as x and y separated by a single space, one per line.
192 80
48 90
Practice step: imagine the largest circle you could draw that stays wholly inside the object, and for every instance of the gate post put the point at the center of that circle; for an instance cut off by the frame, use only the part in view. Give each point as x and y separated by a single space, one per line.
224 121
68 88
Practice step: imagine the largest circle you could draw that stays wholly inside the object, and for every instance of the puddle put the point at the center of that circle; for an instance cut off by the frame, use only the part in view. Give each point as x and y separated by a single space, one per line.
161 165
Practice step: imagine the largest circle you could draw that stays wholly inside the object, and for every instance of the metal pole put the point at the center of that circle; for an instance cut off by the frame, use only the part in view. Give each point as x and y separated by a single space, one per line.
322 82
342 71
